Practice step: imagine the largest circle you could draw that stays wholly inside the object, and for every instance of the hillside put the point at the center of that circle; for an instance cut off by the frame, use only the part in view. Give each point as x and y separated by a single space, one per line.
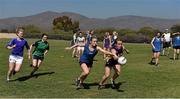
44 21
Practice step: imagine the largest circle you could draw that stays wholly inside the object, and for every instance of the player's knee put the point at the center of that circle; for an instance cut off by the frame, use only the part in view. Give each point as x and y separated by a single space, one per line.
86 72
107 75
17 70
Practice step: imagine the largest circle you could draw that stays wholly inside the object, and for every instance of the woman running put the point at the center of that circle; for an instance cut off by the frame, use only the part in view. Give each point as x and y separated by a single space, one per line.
117 49
156 48
86 60
80 41
176 45
106 43
16 58
40 50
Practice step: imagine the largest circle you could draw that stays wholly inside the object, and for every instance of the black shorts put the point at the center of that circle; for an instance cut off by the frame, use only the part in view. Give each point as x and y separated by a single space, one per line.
88 64
155 51
166 44
38 58
176 47
111 63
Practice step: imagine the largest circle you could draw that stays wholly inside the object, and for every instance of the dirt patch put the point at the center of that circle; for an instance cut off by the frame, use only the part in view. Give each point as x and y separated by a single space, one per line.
7 35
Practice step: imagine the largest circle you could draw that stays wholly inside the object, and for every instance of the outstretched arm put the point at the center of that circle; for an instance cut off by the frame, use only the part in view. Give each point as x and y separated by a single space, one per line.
106 52
76 45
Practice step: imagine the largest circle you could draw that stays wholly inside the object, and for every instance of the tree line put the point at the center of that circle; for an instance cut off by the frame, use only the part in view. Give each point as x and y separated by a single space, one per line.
63 28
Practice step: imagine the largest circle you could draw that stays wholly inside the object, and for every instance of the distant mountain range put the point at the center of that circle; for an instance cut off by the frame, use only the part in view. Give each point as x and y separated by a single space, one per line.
44 21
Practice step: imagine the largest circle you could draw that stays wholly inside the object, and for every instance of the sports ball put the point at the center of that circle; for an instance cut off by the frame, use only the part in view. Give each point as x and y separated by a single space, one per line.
122 60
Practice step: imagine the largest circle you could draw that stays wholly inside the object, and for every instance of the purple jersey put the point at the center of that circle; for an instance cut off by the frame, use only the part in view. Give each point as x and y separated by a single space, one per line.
18 50
106 42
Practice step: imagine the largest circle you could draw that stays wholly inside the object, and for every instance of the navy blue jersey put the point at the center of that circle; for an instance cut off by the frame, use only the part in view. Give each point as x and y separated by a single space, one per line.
119 51
88 56
112 62
157 44
176 40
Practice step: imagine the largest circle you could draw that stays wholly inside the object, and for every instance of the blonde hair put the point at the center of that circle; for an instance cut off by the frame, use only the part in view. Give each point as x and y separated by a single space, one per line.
19 29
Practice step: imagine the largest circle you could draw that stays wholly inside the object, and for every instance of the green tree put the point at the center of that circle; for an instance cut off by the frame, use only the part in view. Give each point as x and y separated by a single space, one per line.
4 30
65 23
31 29
147 31
175 28
126 32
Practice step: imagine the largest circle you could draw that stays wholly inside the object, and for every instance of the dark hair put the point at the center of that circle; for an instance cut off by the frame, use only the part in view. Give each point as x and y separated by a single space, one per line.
44 34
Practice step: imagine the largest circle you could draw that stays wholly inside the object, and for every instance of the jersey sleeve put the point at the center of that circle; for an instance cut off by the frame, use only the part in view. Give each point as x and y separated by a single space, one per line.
27 45
47 46
35 44
11 43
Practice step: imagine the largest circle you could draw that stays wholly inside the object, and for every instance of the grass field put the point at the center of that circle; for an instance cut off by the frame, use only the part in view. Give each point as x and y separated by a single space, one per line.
55 79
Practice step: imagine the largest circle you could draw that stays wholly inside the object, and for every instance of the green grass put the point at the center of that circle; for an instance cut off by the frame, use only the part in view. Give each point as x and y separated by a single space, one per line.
138 78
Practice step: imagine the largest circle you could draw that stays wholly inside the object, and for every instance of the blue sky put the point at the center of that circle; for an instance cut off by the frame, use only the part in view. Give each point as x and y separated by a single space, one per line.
93 8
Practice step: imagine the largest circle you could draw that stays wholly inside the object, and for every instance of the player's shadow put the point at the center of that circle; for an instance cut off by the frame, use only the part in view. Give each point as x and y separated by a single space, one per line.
24 78
88 85
117 86
107 86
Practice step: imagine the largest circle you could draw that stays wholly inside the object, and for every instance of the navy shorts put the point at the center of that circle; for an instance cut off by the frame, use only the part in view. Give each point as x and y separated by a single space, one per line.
111 63
155 51
176 47
166 44
38 58
88 64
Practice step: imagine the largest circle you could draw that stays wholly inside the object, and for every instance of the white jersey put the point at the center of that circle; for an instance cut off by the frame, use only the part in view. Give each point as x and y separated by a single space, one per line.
74 38
80 40
167 37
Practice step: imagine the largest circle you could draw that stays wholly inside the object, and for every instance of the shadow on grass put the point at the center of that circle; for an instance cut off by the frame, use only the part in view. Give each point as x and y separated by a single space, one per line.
24 78
107 86
117 87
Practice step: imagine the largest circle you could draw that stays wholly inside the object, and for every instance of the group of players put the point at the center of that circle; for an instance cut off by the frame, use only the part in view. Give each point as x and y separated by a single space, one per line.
113 48
17 45
161 43
86 48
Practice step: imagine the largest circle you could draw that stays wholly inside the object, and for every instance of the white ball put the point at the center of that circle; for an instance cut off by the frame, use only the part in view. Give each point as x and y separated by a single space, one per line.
122 60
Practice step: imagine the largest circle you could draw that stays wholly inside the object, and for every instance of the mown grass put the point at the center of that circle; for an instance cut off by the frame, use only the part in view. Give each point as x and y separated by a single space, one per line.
55 78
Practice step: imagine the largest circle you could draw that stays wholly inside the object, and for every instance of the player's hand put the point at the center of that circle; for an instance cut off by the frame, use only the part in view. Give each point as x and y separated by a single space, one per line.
115 56
14 46
127 52
67 48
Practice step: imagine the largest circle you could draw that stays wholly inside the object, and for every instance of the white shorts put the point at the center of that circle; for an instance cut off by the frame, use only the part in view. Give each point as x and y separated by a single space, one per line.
15 59
80 48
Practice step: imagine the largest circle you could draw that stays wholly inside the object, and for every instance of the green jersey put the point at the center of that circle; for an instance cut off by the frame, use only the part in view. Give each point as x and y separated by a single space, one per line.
40 48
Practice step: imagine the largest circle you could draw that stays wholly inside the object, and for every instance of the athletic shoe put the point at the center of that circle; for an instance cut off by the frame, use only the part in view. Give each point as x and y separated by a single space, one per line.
100 87
157 64
79 86
77 82
113 85
32 73
8 79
